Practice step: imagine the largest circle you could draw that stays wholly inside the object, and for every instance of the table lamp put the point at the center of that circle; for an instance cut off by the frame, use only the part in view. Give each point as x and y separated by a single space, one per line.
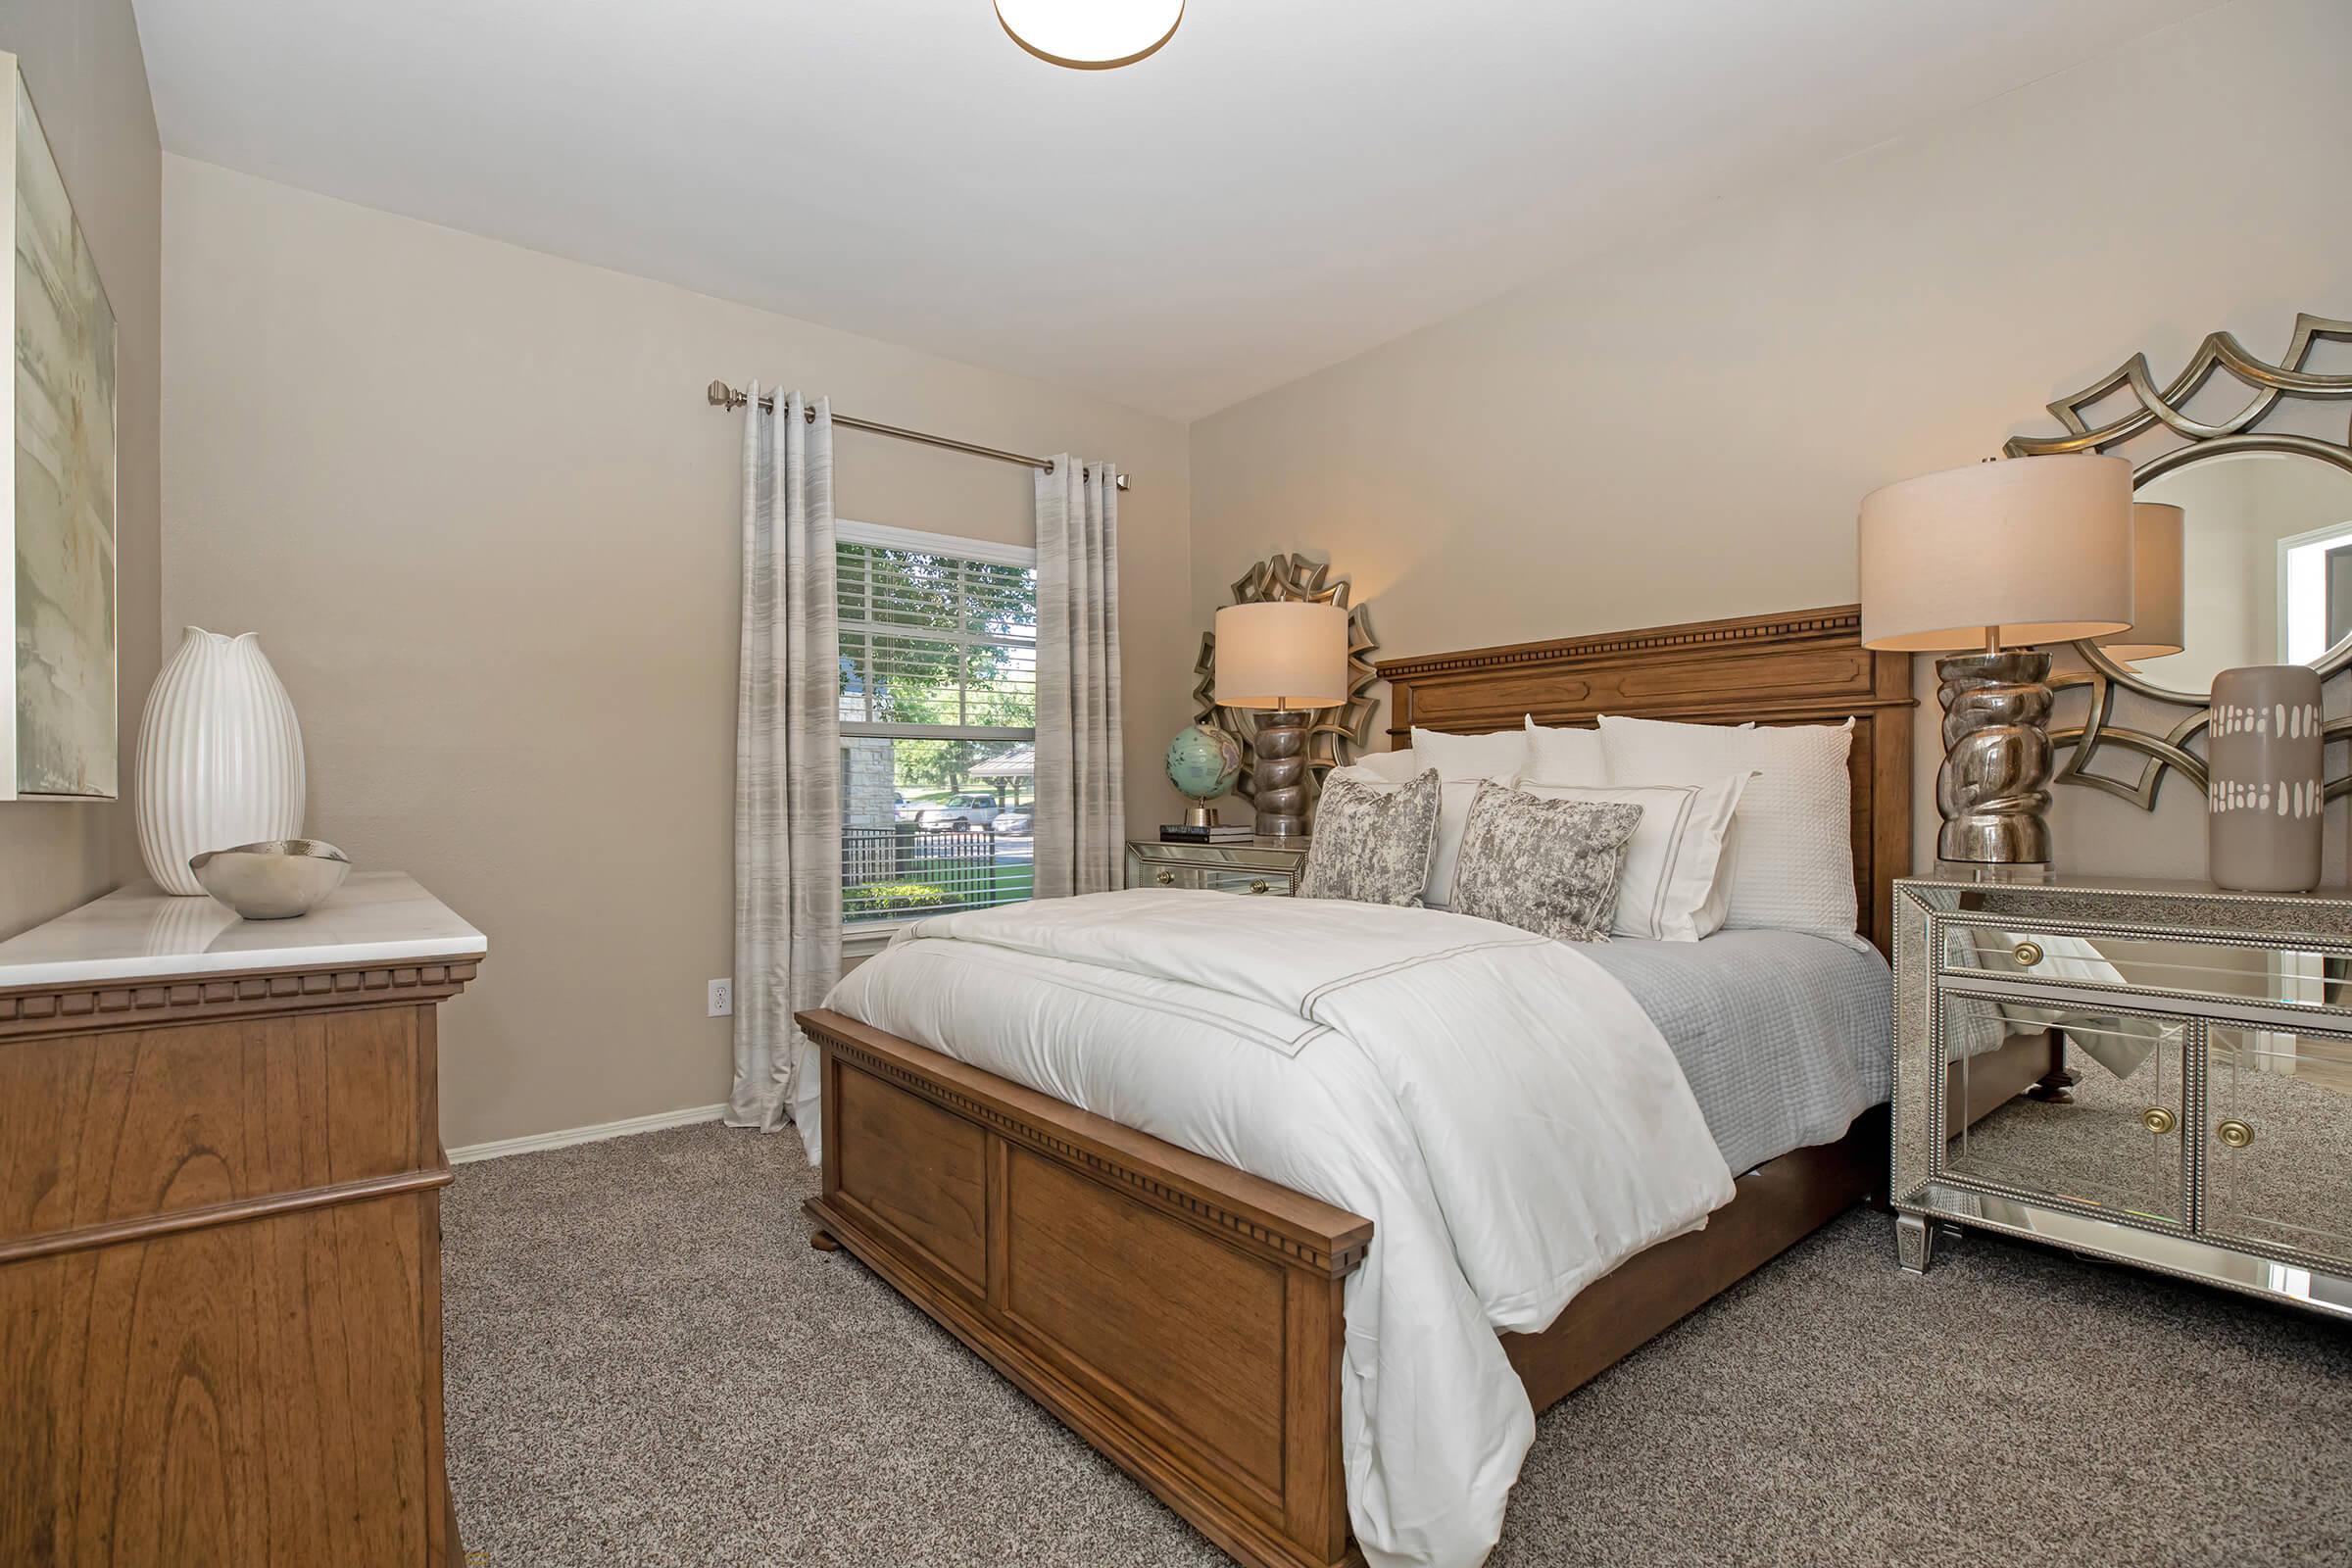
1284 658
2157 562
2003 558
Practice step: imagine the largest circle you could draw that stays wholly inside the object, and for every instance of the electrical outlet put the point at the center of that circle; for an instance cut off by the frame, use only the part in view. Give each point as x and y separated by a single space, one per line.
722 998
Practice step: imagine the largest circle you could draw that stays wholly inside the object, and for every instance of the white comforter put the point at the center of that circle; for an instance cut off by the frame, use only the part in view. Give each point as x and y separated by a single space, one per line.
1495 1103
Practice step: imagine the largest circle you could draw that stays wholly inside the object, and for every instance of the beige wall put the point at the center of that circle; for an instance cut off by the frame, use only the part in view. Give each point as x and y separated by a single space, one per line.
473 499
89 82
1683 429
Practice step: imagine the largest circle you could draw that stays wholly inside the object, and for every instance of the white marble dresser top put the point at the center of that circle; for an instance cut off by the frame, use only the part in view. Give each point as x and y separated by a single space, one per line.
141 931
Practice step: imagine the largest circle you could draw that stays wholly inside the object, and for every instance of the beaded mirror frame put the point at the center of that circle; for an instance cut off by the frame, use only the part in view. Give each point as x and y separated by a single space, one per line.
1335 735
2163 408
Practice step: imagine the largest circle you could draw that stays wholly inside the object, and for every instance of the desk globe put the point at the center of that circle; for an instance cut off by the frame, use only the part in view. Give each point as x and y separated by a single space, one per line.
1204 763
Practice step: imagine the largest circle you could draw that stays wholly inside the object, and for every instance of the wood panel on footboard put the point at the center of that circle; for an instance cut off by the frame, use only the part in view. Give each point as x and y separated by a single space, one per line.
1182 1316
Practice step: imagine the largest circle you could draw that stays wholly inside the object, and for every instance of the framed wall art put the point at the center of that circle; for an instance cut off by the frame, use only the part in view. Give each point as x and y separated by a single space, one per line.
60 740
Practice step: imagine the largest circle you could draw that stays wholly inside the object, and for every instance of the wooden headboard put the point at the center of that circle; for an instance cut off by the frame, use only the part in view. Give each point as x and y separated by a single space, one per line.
1806 667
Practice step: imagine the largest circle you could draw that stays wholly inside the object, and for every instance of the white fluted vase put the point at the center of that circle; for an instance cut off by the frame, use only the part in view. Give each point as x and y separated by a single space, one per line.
220 757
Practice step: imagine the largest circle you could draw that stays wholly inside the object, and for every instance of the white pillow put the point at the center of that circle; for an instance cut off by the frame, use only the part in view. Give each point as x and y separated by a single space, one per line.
1564 757
1386 767
1795 821
1453 820
1500 755
1677 881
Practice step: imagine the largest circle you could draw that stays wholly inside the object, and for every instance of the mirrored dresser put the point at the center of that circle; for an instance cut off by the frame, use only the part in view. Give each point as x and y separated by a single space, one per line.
2185 1103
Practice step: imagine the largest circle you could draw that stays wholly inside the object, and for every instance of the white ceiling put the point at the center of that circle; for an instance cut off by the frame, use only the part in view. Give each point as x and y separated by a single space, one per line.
1286 183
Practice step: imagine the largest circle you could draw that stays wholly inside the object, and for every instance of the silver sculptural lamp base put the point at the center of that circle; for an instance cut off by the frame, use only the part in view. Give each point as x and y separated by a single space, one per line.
1994 788
1279 775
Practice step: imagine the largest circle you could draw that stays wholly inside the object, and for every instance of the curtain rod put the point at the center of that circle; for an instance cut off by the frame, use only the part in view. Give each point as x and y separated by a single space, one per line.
723 396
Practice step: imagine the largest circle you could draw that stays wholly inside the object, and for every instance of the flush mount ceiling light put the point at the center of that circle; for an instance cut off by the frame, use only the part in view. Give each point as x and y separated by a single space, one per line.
1091 34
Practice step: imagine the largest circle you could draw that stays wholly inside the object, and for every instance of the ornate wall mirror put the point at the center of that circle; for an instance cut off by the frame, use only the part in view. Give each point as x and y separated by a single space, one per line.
2265 563
2265 546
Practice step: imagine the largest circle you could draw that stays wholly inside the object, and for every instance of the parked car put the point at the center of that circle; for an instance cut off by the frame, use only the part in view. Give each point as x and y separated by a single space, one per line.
902 809
973 809
1012 824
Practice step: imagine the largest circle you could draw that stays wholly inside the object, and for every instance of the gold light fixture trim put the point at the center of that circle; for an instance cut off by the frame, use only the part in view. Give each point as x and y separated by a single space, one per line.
1091 34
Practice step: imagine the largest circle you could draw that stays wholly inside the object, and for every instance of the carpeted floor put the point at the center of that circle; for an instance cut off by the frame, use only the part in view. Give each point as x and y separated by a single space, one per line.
647 1364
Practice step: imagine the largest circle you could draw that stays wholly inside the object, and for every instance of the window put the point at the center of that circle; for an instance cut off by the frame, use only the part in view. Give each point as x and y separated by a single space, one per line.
938 722
2315 593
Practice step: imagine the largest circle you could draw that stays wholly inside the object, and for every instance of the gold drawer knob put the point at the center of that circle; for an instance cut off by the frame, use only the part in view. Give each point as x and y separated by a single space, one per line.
1260 887
2028 954
1166 879
2236 1134
2158 1121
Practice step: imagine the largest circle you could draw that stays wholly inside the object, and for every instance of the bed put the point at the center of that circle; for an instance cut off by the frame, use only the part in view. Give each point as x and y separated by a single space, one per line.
1188 1319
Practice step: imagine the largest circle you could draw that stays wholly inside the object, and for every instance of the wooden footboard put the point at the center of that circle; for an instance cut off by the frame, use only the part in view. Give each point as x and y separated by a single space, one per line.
1182 1316
1185 1317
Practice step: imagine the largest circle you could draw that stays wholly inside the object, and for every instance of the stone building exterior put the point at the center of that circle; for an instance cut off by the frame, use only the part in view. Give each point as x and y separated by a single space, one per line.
868 790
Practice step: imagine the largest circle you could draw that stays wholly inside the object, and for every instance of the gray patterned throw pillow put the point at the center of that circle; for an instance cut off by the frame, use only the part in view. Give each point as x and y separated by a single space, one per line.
1543 865
1372 845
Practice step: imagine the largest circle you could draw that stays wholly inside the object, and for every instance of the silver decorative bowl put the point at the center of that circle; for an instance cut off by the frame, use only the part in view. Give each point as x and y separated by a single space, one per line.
275 879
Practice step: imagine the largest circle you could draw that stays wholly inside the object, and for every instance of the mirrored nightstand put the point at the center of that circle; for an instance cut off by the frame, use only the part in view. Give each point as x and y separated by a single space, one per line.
1253 865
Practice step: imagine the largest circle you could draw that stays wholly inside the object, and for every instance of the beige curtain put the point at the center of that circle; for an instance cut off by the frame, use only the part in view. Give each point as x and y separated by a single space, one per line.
787 758
1081 817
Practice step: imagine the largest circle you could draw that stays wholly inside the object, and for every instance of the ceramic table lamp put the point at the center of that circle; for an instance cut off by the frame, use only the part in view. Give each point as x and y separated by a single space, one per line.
1282 659
2000 559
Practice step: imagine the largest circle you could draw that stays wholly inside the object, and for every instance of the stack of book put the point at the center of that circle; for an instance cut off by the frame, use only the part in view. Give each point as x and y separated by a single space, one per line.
1188 833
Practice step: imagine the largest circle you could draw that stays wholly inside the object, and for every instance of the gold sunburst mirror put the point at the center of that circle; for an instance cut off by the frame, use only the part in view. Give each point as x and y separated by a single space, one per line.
2266 546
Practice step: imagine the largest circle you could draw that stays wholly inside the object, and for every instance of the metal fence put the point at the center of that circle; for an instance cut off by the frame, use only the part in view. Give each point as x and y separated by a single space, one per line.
901 870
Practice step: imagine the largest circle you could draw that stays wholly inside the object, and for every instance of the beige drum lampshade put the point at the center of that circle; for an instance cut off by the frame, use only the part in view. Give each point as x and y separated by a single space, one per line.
2037 549
2156 571
1281 654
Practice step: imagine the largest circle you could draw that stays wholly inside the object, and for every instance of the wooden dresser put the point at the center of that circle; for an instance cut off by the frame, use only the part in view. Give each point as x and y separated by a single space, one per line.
219 1233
